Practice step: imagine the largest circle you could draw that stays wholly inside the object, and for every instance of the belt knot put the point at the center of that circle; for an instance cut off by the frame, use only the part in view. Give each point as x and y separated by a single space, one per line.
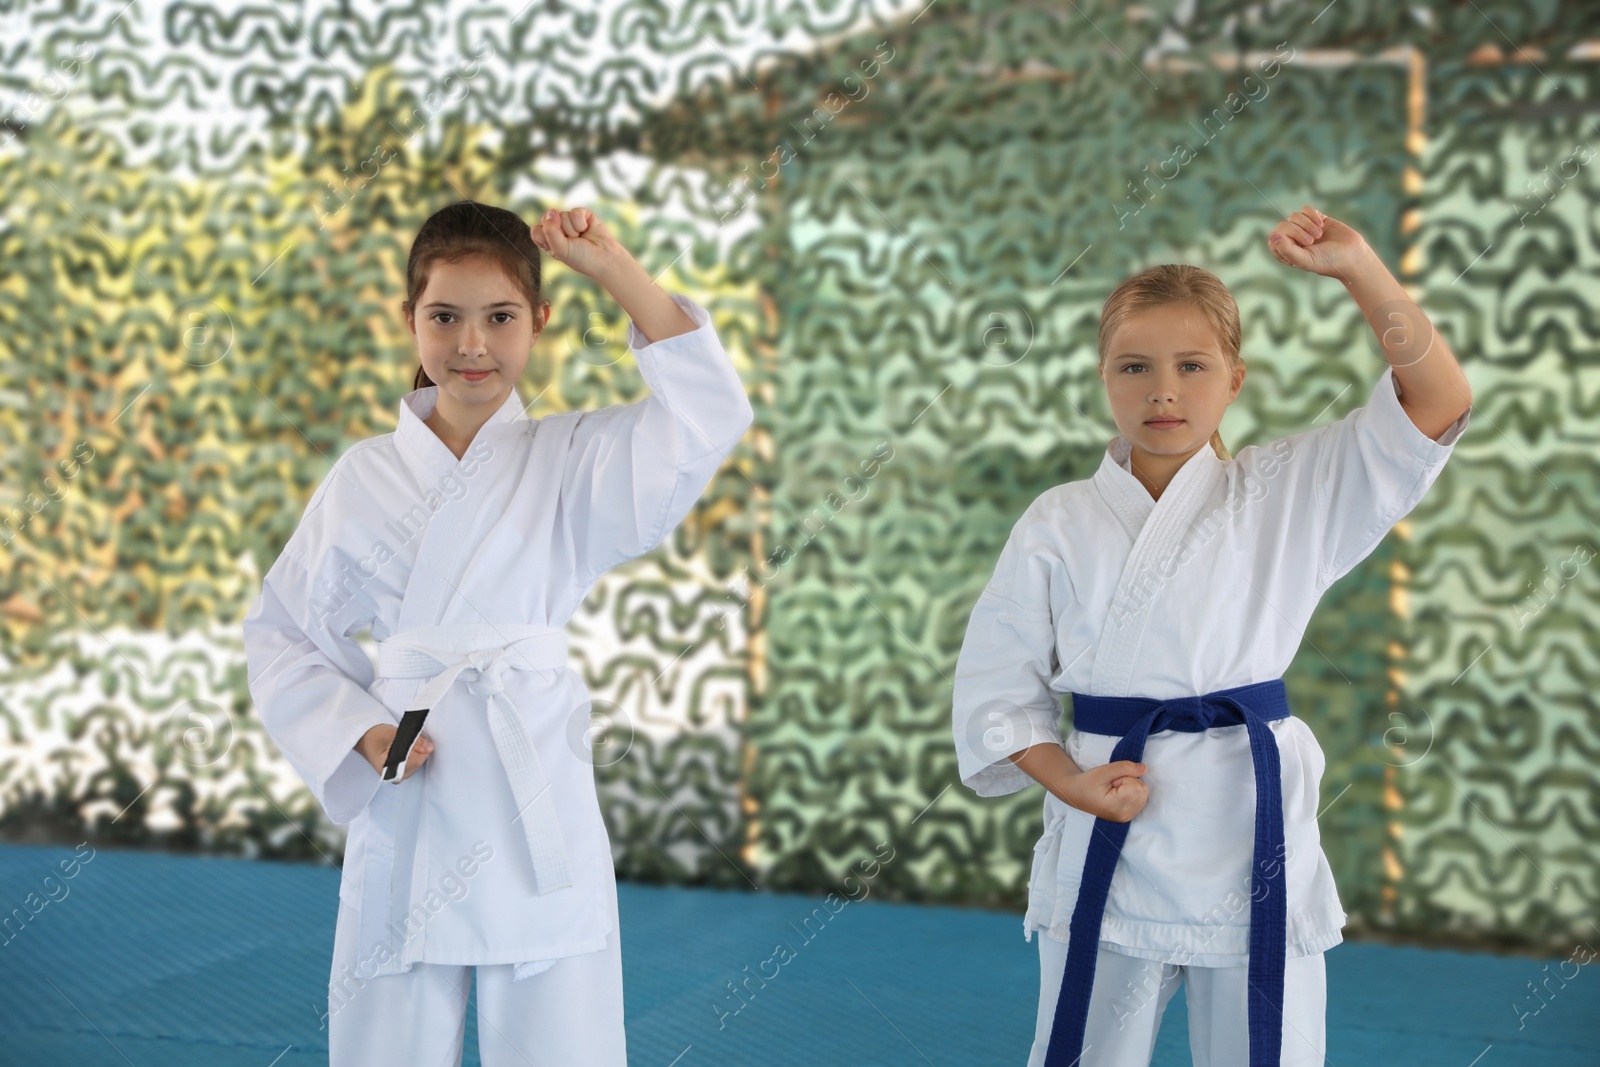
489 664
1189 709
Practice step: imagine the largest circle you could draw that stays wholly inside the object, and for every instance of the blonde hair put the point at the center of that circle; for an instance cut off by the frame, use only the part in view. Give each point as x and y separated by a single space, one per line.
1177 283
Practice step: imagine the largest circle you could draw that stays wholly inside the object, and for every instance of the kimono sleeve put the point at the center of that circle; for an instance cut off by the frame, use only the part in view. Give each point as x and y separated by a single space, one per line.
1002 700
310 682
634 471
1372 467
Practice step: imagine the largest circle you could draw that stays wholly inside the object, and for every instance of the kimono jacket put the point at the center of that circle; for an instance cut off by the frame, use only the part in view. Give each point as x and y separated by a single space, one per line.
467 572
1104 591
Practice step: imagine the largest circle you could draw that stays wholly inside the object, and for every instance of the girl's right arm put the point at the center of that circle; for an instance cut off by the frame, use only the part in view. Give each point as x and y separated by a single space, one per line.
1004 715
1113 791
310 682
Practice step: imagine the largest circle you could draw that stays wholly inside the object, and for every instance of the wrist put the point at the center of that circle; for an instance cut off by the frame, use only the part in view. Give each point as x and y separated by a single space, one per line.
369 741
1370 284
1064 786
619 270
1365 268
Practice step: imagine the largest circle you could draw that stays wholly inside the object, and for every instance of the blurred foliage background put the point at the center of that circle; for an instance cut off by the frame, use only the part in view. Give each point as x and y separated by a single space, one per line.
905 220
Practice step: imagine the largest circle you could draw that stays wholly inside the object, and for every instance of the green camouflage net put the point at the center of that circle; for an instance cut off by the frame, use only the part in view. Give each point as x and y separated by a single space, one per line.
905 222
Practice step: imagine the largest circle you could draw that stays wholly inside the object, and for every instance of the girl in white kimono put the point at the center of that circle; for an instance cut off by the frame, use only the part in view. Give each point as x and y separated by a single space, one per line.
1168 594
466 539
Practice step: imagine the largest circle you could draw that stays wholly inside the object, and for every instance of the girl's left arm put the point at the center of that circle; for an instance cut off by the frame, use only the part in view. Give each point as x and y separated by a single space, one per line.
634 471
1345 484
1434 391
652 310
578 239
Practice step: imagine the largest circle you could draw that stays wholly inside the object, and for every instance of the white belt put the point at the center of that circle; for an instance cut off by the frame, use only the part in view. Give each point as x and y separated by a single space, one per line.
440 654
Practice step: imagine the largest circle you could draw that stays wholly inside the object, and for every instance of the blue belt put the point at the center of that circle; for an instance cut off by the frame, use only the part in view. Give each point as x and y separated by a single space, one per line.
1133 719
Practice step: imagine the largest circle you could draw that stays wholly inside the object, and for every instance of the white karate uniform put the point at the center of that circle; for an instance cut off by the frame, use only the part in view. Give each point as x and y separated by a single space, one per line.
495 851
568 1014
1102 590
1130 995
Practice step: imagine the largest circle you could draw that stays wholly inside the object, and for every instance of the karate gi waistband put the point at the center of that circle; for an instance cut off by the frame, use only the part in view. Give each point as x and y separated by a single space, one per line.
1133 719
442 653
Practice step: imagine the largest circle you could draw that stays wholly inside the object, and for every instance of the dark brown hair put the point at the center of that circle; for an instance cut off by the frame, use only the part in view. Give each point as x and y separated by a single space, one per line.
1177 283
468 228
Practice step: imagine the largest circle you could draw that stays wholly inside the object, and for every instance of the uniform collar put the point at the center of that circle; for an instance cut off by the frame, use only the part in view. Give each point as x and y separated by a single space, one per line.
424 452
1128 497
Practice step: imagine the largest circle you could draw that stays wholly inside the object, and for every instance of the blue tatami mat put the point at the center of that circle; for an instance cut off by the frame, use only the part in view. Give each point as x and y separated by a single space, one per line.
153 959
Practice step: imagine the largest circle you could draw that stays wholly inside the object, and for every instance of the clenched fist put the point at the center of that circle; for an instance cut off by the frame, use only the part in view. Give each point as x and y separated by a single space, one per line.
1113 792
1311 241
374 745
578 239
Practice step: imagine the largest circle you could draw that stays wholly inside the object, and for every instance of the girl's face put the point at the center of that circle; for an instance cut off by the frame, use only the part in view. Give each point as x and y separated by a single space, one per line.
472 319
1167 379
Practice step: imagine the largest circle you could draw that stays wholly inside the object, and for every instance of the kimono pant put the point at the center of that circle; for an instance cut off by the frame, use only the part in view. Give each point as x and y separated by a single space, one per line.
569 1014
1130 994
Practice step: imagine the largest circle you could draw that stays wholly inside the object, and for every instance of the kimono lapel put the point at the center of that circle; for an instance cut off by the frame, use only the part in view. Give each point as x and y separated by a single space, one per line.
1157 528
396 854
1127 497
429 459
455 494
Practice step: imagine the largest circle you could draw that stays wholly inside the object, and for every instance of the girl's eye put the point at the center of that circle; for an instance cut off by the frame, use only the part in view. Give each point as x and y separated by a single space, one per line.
1188 363
509 316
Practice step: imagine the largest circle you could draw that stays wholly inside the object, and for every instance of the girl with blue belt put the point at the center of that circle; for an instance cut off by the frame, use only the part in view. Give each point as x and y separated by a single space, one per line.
1168 594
